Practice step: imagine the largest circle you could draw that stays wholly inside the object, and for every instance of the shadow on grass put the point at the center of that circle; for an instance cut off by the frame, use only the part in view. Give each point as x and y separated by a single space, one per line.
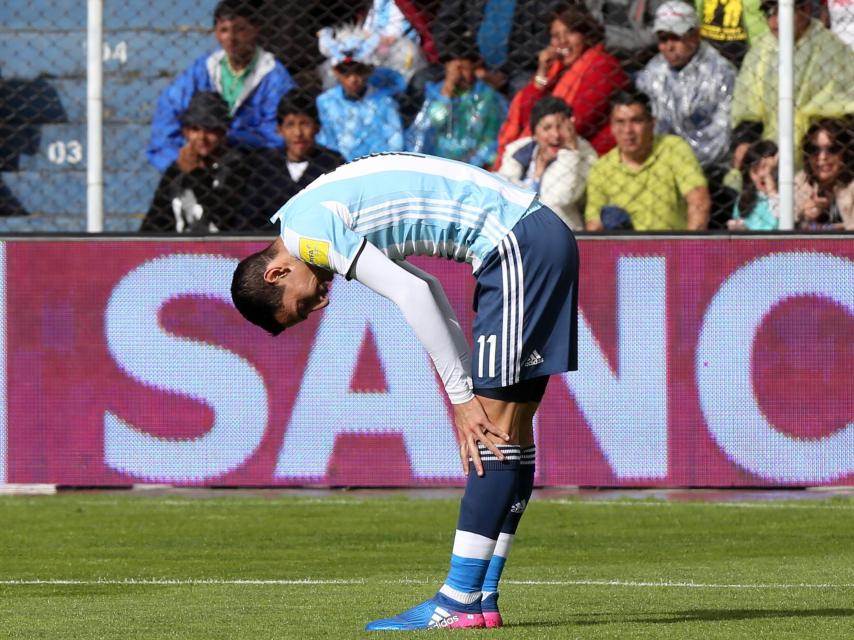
704 615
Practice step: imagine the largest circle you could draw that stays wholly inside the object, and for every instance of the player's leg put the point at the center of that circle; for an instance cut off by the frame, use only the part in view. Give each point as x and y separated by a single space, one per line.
539 272
483 508
524 488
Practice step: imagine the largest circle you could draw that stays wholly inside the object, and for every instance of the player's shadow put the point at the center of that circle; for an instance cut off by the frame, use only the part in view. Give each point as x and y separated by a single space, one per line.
26 104
710 615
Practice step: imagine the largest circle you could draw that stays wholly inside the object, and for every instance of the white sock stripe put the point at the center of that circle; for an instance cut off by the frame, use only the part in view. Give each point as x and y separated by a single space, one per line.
520 302
503 544
460 596
473 545
503 448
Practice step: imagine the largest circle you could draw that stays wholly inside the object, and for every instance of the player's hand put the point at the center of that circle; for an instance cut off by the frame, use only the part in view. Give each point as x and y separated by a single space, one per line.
472 427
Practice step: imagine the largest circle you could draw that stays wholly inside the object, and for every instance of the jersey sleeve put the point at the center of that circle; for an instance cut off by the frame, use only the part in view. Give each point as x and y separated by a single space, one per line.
319 237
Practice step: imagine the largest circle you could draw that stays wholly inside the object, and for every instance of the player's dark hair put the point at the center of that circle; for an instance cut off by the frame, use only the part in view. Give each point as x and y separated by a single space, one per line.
297 102
231 9
256 299
752 157
628 97
548 106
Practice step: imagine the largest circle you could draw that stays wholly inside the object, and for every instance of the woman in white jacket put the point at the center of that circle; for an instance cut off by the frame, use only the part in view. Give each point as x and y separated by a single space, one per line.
554 162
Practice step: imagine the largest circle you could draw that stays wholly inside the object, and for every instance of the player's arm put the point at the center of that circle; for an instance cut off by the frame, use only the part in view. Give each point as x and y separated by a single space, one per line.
421 310
448 314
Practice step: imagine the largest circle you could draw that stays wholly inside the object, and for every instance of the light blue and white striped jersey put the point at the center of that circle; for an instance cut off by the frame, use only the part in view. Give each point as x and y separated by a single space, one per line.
404 204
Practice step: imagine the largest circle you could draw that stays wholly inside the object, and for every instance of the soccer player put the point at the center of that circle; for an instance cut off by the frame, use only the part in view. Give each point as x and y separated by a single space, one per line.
362 221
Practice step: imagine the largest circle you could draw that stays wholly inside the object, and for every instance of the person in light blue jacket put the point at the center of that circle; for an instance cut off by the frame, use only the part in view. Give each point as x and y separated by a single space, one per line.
248 78
357 117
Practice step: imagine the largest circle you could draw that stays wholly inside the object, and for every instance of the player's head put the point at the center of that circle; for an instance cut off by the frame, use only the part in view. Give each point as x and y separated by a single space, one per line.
274 290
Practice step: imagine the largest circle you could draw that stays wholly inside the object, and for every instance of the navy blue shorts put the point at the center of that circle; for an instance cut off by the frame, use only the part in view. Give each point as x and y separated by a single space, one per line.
526 304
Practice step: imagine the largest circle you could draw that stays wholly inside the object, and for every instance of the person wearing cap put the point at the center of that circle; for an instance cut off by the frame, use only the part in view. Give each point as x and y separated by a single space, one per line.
357 117
554 161
248 78
200 191
461 113
648 182
824 80
690 86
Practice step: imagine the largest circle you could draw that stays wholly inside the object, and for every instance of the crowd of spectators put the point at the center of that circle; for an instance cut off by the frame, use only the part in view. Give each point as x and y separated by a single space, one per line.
622 114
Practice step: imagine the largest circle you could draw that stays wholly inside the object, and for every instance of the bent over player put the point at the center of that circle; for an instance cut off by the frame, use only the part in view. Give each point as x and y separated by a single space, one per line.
362 221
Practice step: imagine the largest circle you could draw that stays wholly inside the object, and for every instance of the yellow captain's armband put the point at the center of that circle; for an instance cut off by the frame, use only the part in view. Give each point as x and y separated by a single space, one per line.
314 252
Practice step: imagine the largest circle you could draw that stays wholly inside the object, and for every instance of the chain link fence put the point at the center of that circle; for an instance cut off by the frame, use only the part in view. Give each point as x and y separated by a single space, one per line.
216 112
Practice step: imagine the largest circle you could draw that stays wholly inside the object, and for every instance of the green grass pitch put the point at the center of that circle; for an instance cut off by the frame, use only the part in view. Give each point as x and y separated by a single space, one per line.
267 565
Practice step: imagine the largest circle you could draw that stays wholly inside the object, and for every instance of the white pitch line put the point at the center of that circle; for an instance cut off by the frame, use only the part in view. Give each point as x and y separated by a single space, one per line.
312 582
695 503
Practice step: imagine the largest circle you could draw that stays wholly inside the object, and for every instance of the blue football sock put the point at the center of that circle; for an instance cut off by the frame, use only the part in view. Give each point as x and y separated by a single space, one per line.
483 511
524 488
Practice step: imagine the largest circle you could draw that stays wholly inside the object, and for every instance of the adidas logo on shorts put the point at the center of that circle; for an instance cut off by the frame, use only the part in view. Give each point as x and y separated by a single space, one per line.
534 359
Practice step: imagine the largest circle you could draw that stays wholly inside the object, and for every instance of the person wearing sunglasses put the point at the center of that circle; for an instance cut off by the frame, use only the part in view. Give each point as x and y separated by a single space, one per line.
824 189
824 79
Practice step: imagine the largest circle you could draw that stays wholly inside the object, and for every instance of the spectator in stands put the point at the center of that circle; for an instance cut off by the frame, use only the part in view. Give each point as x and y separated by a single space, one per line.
628 29
506 33
461 114
648 182
200 191
398 44
356 117
554 162
279 174
575 68
824 79
249 78
690 85
758 207
731 25
840 16
824 189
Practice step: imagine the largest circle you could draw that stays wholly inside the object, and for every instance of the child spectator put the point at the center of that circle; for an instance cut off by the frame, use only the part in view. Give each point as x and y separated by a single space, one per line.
758 208
199 191
356 118
461 114
279 174
554 162
249 78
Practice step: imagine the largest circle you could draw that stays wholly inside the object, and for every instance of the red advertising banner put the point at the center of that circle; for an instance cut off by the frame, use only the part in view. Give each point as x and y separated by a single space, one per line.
703 362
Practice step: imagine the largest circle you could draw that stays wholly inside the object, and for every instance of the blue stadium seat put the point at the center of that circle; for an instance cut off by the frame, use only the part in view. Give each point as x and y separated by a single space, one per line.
126 193
27 54
61 14
127 99
62 148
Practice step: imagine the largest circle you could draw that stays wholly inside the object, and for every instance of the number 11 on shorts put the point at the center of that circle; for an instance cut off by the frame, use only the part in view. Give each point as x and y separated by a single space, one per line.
482 341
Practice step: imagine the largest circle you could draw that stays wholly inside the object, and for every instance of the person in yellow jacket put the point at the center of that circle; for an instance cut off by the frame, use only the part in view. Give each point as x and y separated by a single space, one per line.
731 25
824 79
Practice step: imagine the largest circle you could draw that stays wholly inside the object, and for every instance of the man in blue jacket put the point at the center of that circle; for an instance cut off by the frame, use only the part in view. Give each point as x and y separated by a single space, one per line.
248 78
